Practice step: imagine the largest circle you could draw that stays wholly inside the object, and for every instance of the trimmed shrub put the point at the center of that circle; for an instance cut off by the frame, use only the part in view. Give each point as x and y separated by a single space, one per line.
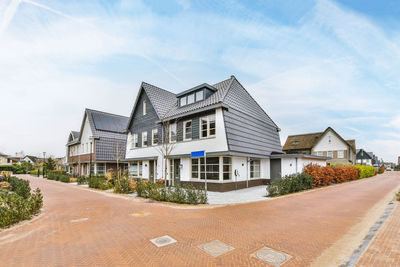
290 184
82 180
366 171
9 168
20 187
327 175
99 182
18 204
64 178
35 172
381 170
398 196
122 186
187 194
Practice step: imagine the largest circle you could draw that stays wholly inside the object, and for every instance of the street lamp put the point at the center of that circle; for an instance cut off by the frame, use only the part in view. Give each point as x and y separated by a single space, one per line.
90 156
44 161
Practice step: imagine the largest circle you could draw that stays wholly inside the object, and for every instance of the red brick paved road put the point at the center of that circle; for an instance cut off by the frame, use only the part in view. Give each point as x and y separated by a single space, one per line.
301 225
384 250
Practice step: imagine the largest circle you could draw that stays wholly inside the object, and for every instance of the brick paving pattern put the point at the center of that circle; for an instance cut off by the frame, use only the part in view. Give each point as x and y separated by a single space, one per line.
384 249
301 225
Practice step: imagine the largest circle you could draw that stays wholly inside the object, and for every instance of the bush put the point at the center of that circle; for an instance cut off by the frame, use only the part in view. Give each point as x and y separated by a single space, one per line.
327 175
35 172
123 186
398 196
18 169
58 175
8 168
99 182
366 171
290 184
20 187
64 178
18 204
187 194
82 180
5 185
381 170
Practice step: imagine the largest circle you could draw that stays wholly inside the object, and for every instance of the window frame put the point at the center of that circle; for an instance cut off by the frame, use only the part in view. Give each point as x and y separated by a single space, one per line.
185 132
152 137
208 126
170 131
230 168
253 172
147 141
327 154
144 107
180 101
340 154
202 96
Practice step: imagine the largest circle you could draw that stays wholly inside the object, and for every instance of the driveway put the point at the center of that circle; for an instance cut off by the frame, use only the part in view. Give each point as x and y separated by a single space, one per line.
80 227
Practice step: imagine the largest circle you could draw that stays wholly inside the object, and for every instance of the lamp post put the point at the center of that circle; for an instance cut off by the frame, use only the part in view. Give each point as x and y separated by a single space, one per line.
44 162
90 155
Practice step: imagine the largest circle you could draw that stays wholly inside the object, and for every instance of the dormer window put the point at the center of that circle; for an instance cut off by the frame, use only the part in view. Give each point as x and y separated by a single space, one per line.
183 101
199 95
190 99
295 143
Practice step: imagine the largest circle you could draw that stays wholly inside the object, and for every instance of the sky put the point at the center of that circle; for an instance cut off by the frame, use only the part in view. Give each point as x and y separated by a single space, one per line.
309 64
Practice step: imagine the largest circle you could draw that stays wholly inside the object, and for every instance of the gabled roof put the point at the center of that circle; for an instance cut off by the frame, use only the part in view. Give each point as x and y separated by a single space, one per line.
32 158
227 93
203 85
3 155
308 141
369 154
75 135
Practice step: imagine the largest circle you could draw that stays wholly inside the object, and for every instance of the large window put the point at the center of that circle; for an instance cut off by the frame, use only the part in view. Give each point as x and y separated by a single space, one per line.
255 168
183 101
172 133
136 168
154 136
212 166
192 98
319 153
187 130
144 139
330 154
100 168
340 154
207 125
227 168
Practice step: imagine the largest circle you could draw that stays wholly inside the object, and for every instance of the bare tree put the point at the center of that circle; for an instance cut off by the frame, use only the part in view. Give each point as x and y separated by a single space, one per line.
167 145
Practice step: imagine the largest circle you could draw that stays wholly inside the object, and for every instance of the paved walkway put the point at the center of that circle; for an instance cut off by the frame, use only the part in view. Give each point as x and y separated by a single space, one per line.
80 227
384 250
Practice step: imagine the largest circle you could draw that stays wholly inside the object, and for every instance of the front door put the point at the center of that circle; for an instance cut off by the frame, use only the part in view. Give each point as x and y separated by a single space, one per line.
276 169
151 170
177 171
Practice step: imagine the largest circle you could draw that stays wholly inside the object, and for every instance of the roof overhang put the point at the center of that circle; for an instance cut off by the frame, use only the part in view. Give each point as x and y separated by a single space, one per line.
214 106
307 156
204 85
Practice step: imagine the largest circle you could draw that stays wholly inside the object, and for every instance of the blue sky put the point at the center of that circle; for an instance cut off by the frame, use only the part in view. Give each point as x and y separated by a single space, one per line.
310 64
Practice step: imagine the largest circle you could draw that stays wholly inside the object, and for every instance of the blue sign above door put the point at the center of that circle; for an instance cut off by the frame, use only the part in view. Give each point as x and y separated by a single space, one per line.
198 154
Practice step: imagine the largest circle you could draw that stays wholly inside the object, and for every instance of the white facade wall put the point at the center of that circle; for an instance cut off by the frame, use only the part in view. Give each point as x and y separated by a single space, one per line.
334 144
289 165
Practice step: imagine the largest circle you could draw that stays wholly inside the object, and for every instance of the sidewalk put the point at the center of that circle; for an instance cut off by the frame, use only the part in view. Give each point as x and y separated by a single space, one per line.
384 250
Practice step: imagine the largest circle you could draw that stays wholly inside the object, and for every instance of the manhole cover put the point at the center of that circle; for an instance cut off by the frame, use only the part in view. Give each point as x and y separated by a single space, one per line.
140 214
271 256
163 241
215 248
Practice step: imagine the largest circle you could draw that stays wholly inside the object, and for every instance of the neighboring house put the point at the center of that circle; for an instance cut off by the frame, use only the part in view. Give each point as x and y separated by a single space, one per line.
4 159
222 119
365 158
101 142
30 159
14 160
327 144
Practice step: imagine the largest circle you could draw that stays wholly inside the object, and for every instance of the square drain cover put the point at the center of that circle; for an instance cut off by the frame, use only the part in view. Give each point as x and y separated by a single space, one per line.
215 248
163 241
271 256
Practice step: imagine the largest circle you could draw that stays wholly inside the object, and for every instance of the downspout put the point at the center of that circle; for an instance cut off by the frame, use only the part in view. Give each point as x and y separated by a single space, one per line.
296 166
247 172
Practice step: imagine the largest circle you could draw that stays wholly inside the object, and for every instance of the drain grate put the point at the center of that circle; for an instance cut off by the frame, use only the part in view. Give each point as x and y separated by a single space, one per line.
163 241
271 256
215 248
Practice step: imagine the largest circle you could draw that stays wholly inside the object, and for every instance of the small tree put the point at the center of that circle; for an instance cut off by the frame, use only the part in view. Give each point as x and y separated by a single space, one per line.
27 166
166 146
50 165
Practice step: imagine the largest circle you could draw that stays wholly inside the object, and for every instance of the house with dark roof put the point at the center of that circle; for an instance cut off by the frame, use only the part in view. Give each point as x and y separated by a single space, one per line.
30 159
222 119
327 144
366 158
100 143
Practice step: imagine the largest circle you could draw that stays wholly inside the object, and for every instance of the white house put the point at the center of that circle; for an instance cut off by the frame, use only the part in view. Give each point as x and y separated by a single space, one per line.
240 140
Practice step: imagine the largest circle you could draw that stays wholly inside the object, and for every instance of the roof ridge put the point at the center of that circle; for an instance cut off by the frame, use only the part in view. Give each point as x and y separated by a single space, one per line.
232 78
158 88
305 134
107 113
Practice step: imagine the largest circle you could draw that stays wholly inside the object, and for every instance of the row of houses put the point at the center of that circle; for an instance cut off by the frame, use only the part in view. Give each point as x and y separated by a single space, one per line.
9 160
240 140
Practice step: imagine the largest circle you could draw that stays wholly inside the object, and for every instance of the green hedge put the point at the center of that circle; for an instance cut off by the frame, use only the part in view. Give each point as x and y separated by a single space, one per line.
35 172
19 203
58 175
186 194
366 171
8 168
100 182
290 184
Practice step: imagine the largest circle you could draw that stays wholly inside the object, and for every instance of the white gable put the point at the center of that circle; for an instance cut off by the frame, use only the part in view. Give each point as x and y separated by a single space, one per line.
85 138
330 142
